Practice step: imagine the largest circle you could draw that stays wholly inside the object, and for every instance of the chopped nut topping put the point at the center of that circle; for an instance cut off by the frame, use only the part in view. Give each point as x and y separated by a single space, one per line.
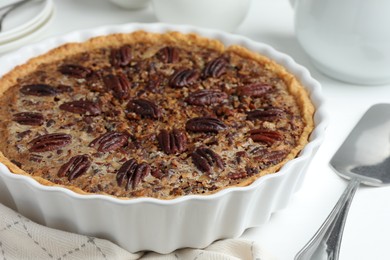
158 117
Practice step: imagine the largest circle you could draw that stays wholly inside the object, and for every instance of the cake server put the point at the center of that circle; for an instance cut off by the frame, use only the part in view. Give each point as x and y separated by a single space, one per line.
363 158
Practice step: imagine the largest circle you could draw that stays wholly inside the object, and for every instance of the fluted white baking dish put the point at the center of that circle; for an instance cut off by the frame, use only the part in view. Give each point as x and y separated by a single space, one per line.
163 225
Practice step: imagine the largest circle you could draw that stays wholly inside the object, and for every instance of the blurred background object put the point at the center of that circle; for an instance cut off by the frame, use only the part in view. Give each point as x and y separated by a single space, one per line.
347 40
131 4
23 22
225 15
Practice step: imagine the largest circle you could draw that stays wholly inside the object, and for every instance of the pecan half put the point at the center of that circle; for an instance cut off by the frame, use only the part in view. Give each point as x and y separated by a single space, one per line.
204 158
271 157
75 167
119 84
82 107
50 142
206 97
144 108
38 90
126 171
168 54
133 173
75 70
267 114
121 57
183 78
143 169
28 118
255 90
265 136
109 141
215 68
172 142
205 124
237 175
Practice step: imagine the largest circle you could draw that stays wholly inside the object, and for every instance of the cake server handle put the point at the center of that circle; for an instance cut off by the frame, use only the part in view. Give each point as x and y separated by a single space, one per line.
325 244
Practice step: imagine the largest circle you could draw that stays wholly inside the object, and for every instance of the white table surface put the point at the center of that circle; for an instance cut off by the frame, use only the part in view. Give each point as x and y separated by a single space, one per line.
367 231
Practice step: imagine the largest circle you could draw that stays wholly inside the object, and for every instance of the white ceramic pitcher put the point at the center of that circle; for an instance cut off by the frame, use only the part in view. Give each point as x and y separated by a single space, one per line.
346 39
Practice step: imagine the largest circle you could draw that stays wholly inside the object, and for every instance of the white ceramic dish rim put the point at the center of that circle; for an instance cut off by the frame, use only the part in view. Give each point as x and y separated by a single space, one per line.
28 25
321 119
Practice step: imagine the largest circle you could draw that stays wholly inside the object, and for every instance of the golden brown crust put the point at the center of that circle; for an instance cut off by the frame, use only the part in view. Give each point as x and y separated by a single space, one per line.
293 87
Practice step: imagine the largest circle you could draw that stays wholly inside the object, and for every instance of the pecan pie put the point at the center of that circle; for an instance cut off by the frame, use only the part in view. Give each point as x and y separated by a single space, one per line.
151 115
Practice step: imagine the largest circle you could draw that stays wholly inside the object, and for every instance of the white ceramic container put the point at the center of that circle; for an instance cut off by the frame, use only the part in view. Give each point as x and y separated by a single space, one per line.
163 225
225 15
348 40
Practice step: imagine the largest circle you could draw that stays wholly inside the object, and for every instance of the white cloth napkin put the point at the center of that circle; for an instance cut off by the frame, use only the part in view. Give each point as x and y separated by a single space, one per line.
21 238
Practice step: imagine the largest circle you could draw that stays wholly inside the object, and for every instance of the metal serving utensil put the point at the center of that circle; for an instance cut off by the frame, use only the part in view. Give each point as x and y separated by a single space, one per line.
364 157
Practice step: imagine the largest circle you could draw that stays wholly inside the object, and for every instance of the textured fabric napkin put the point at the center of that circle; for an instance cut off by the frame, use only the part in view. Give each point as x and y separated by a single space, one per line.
21 238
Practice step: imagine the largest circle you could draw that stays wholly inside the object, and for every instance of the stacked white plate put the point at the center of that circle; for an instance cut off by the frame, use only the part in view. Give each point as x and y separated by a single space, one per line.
25 23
